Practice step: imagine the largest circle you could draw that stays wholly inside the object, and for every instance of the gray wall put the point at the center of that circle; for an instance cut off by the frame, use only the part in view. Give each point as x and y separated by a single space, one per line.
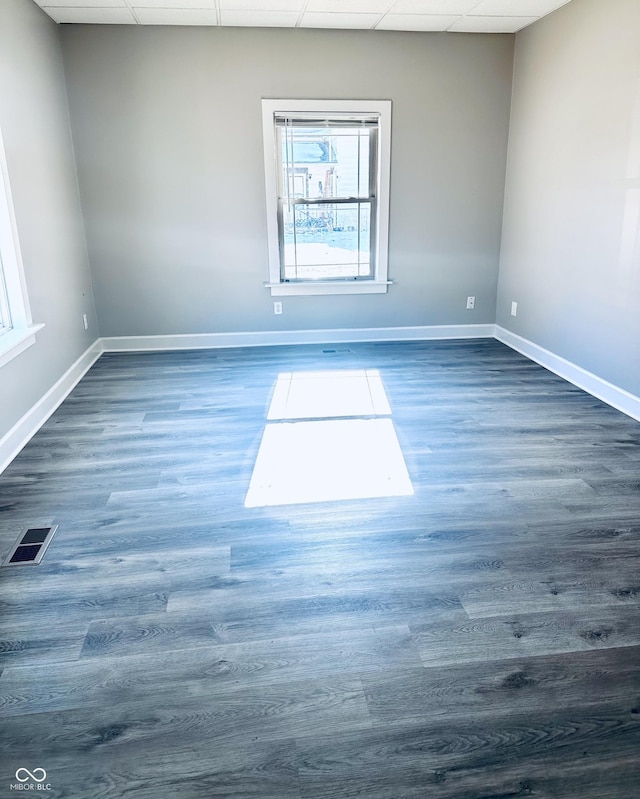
571 238
35 126
167 129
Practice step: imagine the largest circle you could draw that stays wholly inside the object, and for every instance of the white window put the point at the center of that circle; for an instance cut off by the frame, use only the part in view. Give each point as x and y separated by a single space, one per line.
327 167
17 331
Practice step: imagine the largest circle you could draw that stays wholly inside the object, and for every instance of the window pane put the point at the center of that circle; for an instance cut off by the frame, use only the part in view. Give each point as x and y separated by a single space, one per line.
327 240
320 163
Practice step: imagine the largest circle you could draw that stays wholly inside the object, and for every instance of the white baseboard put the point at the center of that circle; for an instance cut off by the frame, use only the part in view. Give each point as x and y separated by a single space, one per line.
26 427
271 338
617 397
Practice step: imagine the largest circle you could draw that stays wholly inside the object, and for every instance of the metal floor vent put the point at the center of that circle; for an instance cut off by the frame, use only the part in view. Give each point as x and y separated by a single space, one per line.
30 547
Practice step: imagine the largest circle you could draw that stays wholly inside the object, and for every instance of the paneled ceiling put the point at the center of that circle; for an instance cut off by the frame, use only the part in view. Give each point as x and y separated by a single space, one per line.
463 16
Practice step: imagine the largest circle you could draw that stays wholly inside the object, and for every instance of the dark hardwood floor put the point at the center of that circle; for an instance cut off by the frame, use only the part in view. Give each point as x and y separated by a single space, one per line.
478 640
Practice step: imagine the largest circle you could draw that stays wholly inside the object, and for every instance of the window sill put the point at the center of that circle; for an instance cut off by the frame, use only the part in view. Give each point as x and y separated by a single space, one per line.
17 340
329 287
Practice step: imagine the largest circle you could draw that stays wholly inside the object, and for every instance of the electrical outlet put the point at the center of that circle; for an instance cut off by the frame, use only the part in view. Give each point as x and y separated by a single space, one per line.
85 321
471 303
514 309
277 308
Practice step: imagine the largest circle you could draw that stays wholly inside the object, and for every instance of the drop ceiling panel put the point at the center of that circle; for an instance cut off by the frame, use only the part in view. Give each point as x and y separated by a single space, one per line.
491 24
261 5
97 16
180 5
519 8
179 16
349 6
415 22
261 19
323 20
83 4
443 7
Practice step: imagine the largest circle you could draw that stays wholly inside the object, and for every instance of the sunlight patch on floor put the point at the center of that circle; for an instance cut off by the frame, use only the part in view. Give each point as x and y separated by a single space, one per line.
321 395
321 461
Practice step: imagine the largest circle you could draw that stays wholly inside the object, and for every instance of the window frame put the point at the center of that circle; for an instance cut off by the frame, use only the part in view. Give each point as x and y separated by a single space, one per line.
17 330
303 110
5 310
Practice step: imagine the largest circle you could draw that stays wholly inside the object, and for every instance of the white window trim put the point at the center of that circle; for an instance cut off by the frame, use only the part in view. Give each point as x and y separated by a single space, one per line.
21 333
380 283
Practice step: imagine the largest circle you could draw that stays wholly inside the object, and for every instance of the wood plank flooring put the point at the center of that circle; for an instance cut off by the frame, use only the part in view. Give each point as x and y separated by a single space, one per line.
478 640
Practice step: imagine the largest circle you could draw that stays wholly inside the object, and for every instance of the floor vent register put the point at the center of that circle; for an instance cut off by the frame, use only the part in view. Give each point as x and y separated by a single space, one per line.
30 547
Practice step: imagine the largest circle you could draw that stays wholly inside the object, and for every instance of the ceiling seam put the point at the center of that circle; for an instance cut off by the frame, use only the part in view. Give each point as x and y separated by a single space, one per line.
384 14
303 11
133 13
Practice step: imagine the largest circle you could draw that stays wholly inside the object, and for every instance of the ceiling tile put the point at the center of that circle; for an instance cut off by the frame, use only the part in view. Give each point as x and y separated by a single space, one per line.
261 5
181 5
106 16
444 7
47 4
175 16
349 6
415 22
491 24
260 19
519 8
357 21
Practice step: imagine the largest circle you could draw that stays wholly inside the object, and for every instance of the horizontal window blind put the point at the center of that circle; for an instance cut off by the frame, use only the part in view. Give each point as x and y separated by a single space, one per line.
323 122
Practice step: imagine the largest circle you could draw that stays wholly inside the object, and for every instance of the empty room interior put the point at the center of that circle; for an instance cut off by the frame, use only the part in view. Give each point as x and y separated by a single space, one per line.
320 399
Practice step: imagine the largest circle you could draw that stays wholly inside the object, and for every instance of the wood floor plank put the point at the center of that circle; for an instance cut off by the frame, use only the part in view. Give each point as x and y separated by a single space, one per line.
528 684
32 642
556 592
522 635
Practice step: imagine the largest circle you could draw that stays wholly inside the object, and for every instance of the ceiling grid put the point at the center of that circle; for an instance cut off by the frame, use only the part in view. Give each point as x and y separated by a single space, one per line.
460 16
